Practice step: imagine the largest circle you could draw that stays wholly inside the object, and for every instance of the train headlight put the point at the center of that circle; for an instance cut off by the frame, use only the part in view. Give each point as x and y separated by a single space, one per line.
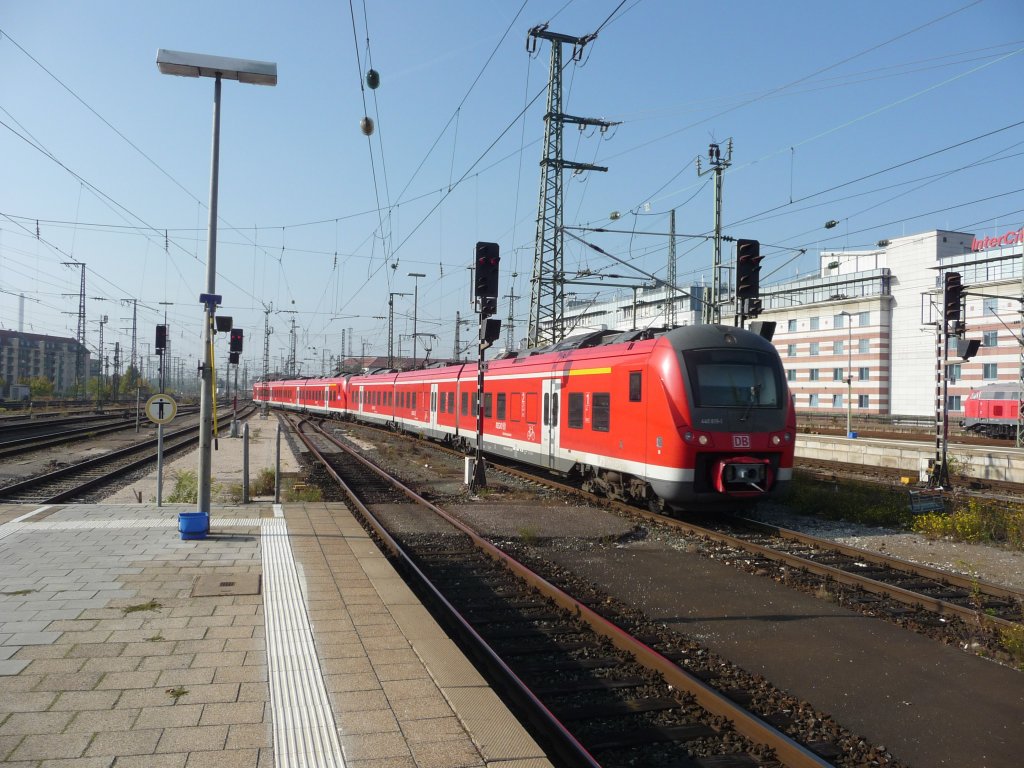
703 439
688 437
787 437
776 439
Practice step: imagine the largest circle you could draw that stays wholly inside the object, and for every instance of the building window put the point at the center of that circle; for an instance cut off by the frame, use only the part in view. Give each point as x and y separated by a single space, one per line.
990 307
837 374
791 327
791 350
864 319
813 402
814 323
953 403
814 374
988 371
837 401
838 348
601 416
862 374
863 346
814 347
990 338
953 372
576 410
862 401
839 321
790 374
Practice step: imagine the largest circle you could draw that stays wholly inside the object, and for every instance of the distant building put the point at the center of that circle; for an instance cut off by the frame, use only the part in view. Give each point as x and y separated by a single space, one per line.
870 315
25 356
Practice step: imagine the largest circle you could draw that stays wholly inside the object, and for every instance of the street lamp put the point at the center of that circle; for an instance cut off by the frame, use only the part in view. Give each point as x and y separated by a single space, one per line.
219 68
415 310
849 370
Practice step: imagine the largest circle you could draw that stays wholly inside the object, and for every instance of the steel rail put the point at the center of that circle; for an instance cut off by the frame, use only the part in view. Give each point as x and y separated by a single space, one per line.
905 566
746 724
904 596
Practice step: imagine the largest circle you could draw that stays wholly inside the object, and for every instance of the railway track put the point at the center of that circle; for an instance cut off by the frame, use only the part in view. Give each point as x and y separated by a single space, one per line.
597 690
61 432
80 481
955 609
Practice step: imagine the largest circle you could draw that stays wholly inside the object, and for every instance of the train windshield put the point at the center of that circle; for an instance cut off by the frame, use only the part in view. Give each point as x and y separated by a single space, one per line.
730 378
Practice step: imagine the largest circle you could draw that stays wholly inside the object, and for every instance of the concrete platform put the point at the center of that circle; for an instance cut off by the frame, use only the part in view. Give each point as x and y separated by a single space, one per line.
282 639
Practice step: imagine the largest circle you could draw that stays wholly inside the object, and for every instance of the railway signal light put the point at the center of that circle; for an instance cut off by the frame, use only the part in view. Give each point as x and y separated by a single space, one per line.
491 332
161 339
486 280
952 294
967 348
235 344
748 268
233 358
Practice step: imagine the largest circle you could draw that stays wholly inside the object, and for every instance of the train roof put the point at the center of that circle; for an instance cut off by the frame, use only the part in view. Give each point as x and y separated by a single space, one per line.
999 386
681 337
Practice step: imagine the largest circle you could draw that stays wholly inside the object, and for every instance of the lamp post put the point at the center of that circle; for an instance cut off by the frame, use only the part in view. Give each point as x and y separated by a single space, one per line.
219 68
415 311
849 371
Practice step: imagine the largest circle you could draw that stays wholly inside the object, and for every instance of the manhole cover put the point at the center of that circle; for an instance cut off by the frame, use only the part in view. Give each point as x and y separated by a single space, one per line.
240 584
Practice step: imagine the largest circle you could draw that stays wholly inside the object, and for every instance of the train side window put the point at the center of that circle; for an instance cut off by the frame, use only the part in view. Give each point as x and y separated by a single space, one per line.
443 403
575 410
488 404
476 403
465 403
433 402
601 412
413 406
451 402
501 405
554 409
547 407
516 407
635 381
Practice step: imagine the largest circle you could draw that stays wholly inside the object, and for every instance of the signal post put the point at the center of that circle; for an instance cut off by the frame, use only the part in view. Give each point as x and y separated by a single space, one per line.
485 294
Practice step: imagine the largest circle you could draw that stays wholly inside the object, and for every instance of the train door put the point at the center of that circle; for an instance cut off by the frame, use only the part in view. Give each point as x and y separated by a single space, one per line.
432 416
549 420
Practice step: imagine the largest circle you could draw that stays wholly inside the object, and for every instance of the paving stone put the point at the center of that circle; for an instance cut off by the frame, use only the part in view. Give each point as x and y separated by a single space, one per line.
93 721
137 742
193 738
26 723
177 716
229 714
235 758
80 701
51 746
250 735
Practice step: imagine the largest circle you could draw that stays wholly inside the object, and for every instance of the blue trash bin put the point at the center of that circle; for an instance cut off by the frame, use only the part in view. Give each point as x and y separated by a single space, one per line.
193 525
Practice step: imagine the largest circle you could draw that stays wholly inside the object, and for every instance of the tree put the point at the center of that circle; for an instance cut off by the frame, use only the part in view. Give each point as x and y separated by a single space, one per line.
39 387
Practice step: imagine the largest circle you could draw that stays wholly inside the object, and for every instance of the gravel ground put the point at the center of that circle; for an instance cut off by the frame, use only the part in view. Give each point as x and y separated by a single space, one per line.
987 563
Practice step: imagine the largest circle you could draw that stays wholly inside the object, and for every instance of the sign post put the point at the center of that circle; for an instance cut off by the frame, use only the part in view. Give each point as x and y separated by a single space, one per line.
160 409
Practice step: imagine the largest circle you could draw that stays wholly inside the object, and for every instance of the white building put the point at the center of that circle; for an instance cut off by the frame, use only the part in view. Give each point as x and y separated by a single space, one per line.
872 313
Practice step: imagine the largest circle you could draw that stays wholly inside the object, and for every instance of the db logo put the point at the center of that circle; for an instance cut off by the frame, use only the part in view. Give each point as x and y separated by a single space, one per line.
741 441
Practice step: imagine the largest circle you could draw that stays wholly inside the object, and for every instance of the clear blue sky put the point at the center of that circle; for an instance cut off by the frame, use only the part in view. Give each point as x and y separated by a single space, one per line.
909 112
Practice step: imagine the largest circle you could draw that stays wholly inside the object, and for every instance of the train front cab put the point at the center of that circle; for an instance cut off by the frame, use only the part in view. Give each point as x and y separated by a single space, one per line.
734 417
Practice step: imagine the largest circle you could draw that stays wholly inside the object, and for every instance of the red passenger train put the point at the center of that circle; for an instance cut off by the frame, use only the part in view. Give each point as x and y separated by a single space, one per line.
694 417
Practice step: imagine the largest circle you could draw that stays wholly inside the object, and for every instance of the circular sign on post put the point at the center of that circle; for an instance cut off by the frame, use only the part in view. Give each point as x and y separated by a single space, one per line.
161 408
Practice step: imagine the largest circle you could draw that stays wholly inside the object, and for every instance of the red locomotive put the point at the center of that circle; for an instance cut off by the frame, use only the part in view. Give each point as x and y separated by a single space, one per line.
992 410
698 416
